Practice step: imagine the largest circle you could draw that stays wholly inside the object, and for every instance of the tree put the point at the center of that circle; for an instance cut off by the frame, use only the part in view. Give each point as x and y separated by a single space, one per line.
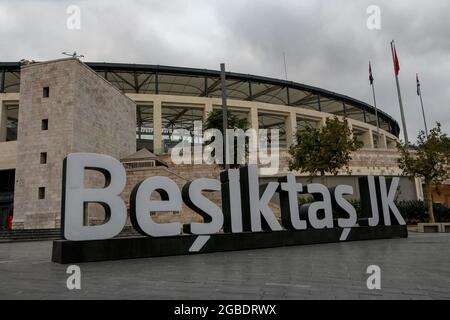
428 159
324 149
214 120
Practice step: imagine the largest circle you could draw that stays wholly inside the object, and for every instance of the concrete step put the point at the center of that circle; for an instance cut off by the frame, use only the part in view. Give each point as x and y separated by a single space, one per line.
49 234
128 232
30 235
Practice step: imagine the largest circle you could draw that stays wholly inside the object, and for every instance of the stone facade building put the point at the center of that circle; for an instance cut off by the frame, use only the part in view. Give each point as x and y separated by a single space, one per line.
65 107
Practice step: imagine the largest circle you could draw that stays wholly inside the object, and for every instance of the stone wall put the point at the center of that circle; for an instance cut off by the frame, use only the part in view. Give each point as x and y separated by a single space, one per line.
8 155
85 113
181 174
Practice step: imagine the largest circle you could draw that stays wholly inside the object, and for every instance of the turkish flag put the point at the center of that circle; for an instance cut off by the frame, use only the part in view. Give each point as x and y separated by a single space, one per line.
396 62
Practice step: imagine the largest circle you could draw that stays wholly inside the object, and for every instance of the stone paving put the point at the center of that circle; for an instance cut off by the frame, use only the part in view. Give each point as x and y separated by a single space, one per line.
413 268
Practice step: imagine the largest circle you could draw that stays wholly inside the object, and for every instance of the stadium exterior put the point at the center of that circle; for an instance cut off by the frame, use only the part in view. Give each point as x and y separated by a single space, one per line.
54 108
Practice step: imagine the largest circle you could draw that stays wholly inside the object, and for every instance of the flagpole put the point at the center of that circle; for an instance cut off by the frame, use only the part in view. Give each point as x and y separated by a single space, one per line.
224 114
419 91
375 105
376 115
402 113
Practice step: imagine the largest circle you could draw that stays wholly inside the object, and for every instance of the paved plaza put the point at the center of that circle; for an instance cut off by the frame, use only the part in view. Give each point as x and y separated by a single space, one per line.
413 268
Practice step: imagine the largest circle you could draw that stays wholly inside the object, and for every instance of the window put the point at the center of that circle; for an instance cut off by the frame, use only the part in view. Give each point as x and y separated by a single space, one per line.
12 81
12 112
274 122
144 127
362 135
46 92
41 193
43 157
305 123
44 124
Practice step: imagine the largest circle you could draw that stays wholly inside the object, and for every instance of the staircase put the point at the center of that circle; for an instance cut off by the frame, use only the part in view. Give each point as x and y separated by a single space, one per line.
49 235
30 235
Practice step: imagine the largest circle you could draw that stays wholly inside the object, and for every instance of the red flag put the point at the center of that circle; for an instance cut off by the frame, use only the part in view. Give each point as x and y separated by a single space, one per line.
396 63
370 73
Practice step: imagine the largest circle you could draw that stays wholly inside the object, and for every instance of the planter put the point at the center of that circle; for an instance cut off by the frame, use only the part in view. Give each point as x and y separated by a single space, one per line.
433 227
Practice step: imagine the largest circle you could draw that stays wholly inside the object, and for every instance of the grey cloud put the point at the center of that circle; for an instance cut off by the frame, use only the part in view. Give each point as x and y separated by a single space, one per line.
326 42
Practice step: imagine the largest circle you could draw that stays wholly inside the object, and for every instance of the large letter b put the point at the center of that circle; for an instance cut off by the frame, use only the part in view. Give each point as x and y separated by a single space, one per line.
75 197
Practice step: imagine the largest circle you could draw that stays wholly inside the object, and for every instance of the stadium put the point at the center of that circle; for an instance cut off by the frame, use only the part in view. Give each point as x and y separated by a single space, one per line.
50 109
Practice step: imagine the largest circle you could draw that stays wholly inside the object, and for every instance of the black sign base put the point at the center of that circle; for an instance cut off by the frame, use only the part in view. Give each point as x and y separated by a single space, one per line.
65 251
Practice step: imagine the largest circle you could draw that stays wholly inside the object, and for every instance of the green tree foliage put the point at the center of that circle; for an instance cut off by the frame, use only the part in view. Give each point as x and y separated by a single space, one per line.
326 149
415 211
428 159
214 120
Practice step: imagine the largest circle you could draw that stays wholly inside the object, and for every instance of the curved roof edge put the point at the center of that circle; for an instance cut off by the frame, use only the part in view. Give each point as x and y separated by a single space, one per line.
231 75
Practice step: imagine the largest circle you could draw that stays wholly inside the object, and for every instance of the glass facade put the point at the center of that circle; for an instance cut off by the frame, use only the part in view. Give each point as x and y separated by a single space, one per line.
9 81
273 121
180 85
304 123
355 113
176 117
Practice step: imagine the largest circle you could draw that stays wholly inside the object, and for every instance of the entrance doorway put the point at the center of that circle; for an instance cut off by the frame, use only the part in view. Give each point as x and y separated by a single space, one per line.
6 199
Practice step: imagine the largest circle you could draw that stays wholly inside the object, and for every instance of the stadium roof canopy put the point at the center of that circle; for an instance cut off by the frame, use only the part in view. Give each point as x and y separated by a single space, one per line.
155 79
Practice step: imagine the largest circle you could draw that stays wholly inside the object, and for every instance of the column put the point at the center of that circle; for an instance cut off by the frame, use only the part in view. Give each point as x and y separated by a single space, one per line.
368 139
291 128
208 108
254 123
383 141
157 130
350 126
3 121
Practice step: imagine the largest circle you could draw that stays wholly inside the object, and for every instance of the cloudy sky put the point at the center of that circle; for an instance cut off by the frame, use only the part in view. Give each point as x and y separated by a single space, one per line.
327 43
